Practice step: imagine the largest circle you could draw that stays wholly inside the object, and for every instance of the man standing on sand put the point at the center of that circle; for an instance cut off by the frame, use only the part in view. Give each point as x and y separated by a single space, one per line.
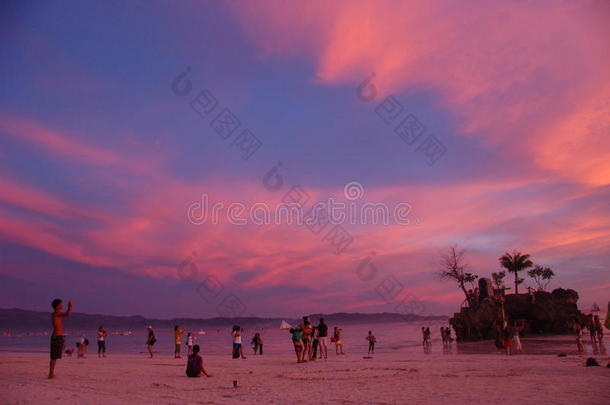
150 341
322 336
58 338
101 342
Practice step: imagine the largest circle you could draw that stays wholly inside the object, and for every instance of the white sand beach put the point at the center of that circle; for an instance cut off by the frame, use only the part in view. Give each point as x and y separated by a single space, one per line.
386 379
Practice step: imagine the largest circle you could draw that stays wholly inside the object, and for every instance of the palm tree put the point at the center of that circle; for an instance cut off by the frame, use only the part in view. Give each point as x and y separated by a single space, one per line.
515 262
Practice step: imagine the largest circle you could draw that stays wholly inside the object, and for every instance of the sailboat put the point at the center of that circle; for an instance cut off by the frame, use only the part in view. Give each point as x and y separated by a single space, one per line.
595 308
285 325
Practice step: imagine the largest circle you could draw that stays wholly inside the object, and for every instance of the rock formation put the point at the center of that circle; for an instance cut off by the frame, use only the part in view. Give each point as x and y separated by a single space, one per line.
538 312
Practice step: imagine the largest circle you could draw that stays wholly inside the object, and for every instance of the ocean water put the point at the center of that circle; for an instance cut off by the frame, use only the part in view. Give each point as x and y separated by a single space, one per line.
390 337
398 338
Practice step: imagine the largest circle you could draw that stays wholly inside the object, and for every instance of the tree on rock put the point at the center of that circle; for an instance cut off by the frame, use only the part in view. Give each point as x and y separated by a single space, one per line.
515 262
542 276
454 268
498 279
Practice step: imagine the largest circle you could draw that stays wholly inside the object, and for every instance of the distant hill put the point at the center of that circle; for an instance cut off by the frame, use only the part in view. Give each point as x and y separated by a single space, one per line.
21 319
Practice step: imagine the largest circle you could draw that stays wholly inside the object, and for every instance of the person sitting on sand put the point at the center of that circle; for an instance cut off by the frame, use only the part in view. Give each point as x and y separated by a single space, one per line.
371 339
58 337
178 332
297 341
194 364
101 342
150 341
337 340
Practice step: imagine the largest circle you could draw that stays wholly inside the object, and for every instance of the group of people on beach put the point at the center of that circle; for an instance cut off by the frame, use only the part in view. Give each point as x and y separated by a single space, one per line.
308 340
508 336
596 332
178 332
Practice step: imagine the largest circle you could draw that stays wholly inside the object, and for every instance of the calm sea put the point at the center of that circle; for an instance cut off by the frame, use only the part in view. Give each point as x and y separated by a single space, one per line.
391 338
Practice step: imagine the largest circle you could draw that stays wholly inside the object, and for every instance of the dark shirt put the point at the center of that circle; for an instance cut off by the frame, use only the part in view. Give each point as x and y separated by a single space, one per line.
322 330
193 365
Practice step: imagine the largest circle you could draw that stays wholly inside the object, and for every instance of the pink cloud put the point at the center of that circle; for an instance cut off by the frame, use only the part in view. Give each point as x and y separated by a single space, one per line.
530 77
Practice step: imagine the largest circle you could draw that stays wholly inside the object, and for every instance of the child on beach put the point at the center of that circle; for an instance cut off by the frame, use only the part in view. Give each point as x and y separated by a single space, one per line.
257 343
58 337
190 339
82 347
194 364
150 341
297 341
101 342
371 339
337 340
178 332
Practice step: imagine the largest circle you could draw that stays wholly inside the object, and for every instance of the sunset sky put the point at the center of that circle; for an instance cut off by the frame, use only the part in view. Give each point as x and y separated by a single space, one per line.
102 152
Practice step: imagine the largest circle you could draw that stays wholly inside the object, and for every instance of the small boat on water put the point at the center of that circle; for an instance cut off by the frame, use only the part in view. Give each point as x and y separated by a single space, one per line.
126 333
595 308
201 332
